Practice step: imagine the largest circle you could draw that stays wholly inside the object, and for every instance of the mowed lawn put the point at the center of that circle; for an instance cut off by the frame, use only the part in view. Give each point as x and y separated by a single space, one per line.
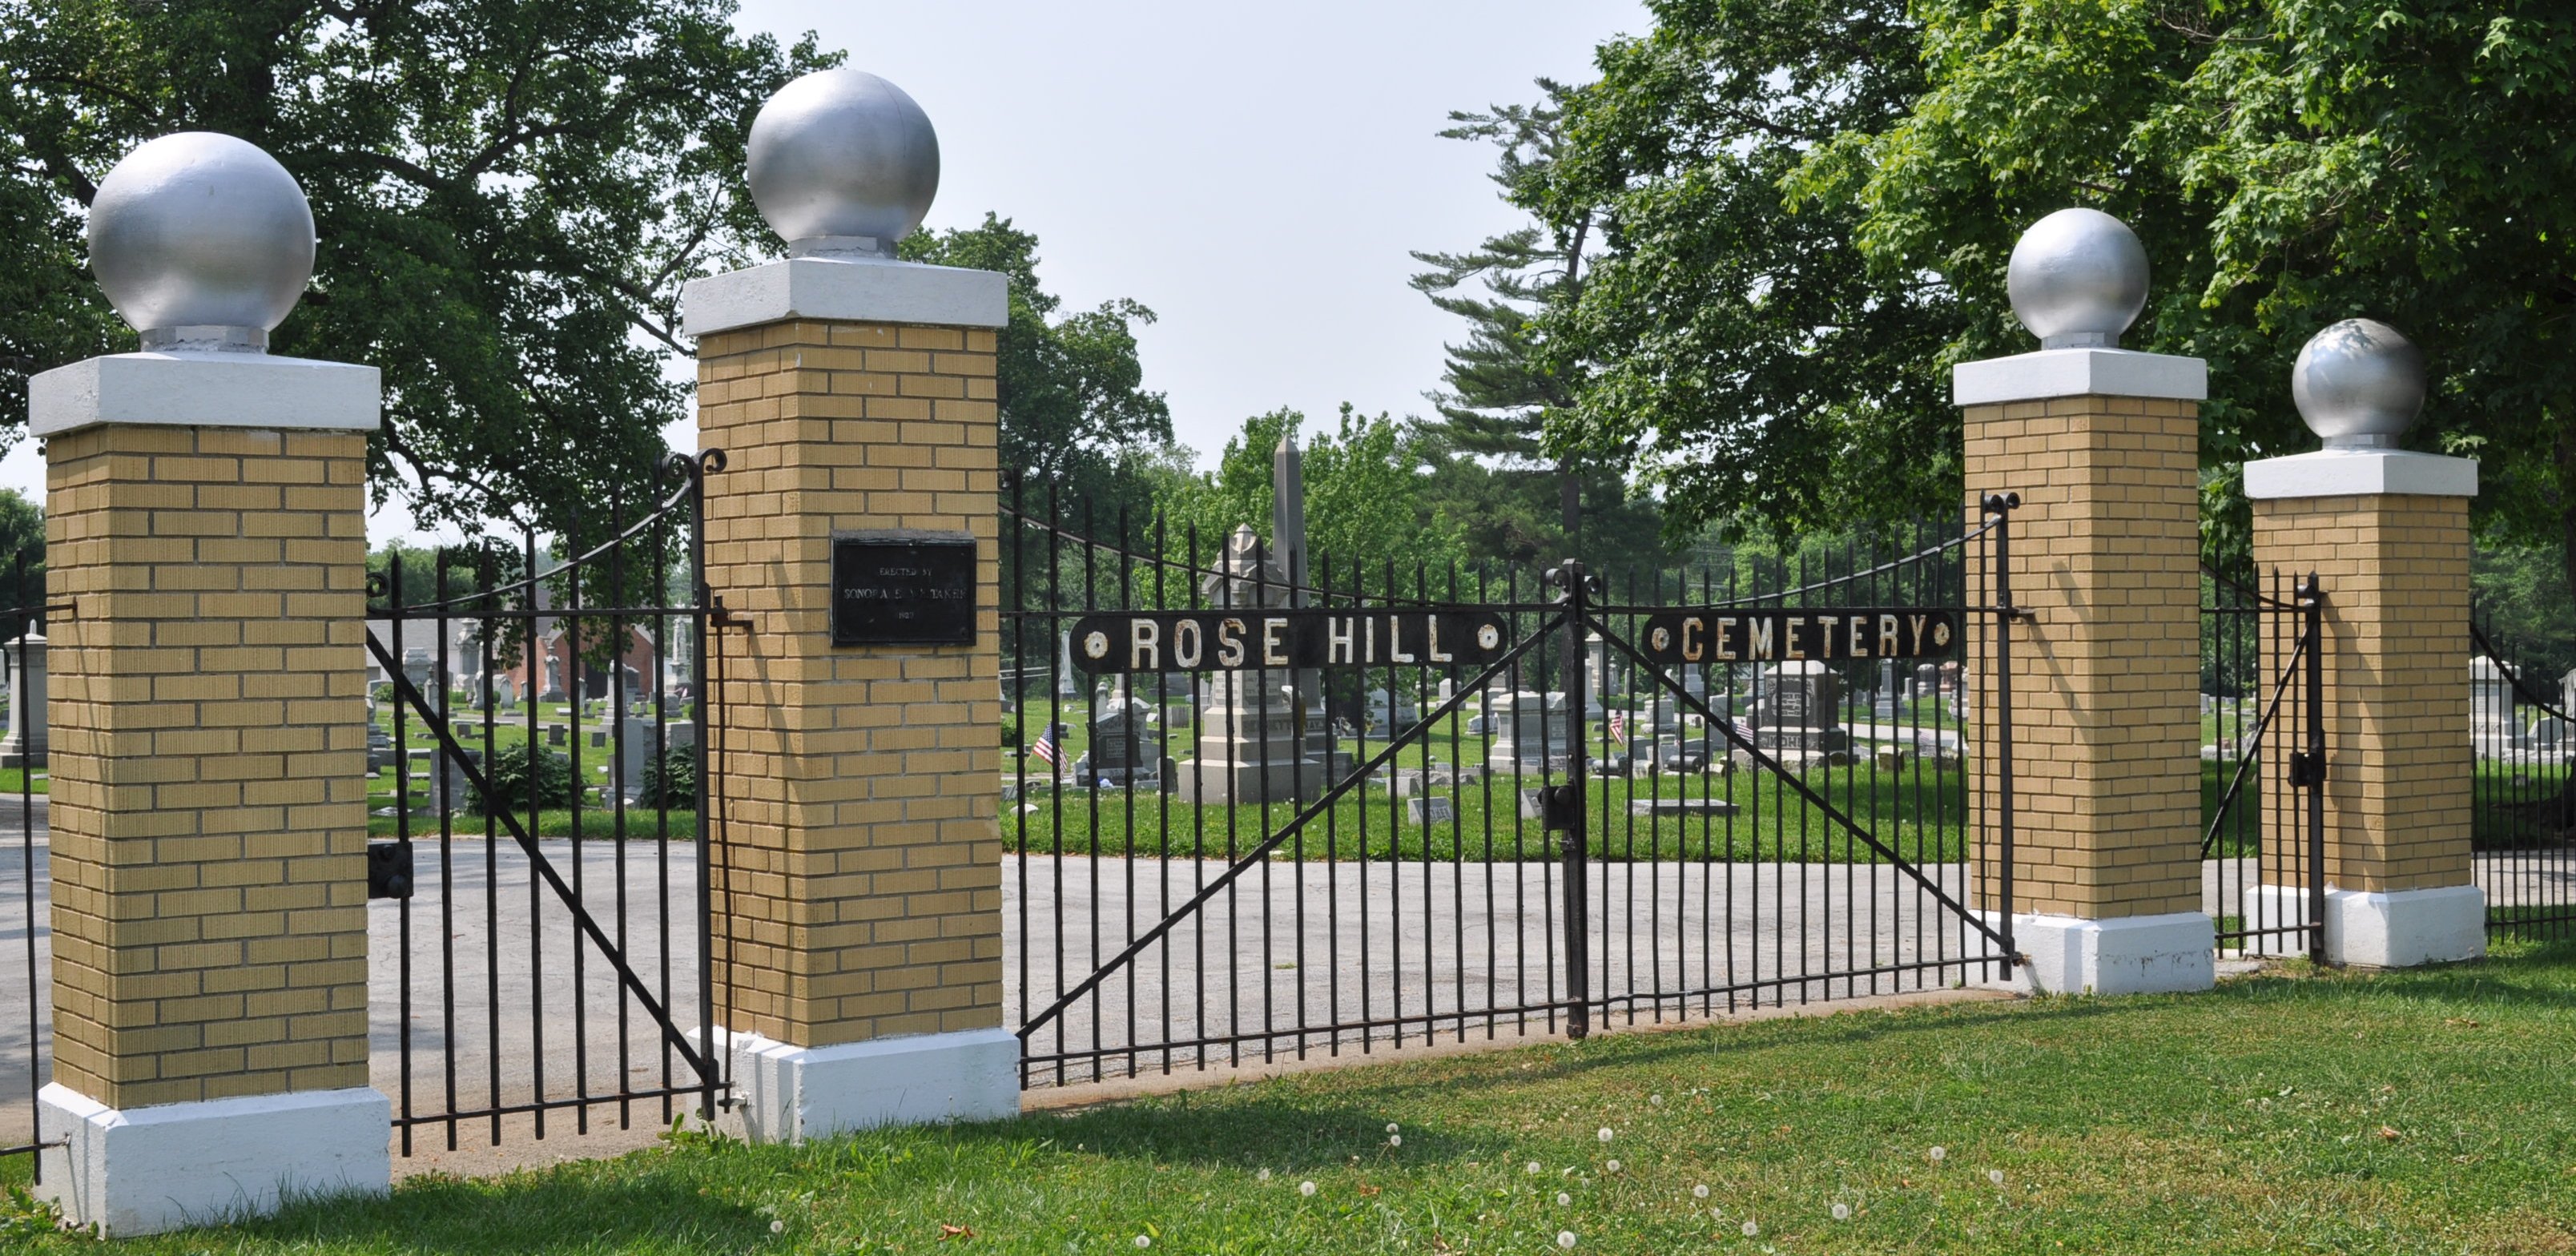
2418 1112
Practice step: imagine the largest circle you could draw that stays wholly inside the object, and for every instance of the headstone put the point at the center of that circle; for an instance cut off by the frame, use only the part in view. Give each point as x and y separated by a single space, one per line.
2550 734
555 734
1251 744
1066 684
1602 677
2491 712
1532 732
1391 718
380 743
25 745
422 672
1797 714
1430 809
554 691
1126 747
2567 692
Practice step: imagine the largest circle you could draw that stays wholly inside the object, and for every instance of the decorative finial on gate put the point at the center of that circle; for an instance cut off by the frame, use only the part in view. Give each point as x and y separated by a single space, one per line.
201 241
843 163
2359 384
2078 278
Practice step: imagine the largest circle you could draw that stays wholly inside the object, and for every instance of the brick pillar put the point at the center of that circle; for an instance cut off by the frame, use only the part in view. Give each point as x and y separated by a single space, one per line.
2102 445
206 543
859 924
2387 534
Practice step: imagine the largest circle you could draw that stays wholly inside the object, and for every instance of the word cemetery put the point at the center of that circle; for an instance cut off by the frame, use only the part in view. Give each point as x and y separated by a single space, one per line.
1762 636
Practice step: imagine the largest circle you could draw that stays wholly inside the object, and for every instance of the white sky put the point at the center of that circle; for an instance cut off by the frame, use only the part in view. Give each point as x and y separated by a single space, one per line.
1257 174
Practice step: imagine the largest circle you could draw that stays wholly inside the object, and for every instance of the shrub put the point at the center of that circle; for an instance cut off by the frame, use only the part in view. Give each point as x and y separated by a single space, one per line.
507 770
670 779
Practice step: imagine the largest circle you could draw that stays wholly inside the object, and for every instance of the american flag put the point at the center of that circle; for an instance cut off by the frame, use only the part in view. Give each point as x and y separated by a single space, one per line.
1618 726
1045 748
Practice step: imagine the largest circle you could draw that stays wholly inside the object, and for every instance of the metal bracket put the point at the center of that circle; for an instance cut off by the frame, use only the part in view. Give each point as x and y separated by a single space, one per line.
2307 771
388 870
1560 808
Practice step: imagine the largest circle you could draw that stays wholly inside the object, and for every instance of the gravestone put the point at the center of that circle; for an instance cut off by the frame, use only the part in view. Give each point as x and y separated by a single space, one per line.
554 690
1430 809
556 734
2550 734
1126 747
25 745
1532 732
380 743
1797 714
423 675
2567 692
1251 747
2491 711
1388 720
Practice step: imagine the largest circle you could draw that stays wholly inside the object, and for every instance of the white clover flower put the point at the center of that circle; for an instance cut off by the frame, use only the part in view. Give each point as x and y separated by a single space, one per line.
1938 1153
1265 1175
1995 1176
778 1227
1717 1214
1395 1140
1533 1168
1306 1188
1605 1134
1842 1212
1390 1127
1613 1166
1657 1100
1563 1199
1700 1191
1143 1242
1565 1239
1751 1229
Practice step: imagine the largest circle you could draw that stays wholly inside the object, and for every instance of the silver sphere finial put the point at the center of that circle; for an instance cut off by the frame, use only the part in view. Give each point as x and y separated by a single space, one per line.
2078 279
2359 384
202 241
843 162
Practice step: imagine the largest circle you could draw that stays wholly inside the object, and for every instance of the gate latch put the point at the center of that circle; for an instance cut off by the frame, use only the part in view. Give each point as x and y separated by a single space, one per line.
2307 771
388 870
1560 808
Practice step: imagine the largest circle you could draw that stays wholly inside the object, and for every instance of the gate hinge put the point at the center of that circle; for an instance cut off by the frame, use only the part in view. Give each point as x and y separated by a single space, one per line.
2307 771
1560 808
388 870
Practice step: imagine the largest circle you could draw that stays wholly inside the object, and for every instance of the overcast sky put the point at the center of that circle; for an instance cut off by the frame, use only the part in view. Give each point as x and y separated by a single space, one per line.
1256 174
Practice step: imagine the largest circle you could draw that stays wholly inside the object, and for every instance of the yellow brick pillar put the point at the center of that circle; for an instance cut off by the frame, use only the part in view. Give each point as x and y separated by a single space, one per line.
2101 444
2387 534
206 546
852 535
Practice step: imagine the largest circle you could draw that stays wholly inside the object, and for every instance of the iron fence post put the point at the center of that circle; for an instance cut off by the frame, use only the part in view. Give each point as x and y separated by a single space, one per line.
2312 622
1578 951
2001 506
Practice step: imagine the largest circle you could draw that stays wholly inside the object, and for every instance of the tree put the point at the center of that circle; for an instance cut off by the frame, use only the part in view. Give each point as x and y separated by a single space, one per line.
1492 475
22 551
1074 410
508 196
1365 508
1762 371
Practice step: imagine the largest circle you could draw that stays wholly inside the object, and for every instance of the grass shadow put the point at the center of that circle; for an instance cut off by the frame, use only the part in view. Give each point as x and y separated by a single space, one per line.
609 1205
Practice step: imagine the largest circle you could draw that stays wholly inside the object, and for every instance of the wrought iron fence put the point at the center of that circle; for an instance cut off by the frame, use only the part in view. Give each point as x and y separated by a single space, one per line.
25 1023
2263 763
1356 836
2523 816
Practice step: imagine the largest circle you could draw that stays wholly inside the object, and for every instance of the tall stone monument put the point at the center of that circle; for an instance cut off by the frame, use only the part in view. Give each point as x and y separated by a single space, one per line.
25 659
1249 746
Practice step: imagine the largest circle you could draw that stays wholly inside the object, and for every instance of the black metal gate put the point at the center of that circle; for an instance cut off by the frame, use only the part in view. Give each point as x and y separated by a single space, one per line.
2523 817
2263 845
25 1022
1259 810
544 813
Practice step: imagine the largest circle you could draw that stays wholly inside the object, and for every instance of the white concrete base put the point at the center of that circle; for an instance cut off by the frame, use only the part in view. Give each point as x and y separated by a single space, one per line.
150 1170
788 1094
2130 955
2397 929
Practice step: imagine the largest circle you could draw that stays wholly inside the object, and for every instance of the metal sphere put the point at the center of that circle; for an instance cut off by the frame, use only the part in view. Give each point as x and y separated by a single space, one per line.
201 237
2078 278
843 161
2359 384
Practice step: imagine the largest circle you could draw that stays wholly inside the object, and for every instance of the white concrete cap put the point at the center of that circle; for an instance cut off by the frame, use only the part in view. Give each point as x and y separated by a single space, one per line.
2361 473
190 388
790 1094
845 289
2052 373
151 1170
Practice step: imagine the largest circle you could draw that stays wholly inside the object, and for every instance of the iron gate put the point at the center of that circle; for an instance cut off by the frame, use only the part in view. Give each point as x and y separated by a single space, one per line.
25 1025
2523 817
2263 847
553 948
1314 847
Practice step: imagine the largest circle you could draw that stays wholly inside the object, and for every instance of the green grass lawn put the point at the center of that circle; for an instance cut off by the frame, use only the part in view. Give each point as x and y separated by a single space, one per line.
2396 1113
12 780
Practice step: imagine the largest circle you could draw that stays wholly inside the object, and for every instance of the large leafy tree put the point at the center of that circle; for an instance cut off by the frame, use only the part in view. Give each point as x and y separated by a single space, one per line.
1366 512
1491 472
2288 163
509 194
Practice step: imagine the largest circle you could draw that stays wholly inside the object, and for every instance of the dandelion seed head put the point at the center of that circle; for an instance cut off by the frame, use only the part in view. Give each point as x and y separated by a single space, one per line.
1605 1134
1939 1153
1565 1239
1563 1199
778 1227
1751 1229
1533 1168
1395 1140
1306 1188
1143 1242
1265 1175
1995 1176
1842 1212
1613 1166
1700 1191
1657 1100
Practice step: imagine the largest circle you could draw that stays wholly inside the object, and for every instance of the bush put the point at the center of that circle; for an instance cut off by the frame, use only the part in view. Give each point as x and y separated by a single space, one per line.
670 779
507 770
